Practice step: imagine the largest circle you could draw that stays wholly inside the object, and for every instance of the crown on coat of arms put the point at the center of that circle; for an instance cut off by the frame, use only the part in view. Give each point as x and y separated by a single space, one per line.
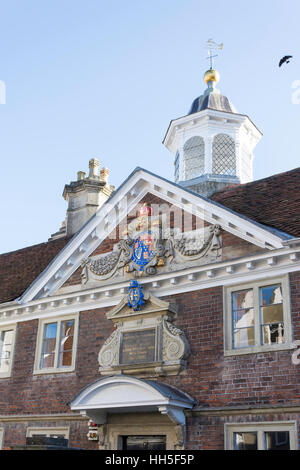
145 211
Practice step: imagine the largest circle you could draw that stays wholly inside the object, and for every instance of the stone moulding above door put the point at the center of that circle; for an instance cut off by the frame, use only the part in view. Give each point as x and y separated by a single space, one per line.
145 343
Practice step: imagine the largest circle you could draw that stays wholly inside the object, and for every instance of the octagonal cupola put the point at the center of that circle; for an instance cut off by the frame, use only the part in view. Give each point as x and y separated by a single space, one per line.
213 144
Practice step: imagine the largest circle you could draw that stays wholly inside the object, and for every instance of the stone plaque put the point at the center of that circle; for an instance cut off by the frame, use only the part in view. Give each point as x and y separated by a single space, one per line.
138 347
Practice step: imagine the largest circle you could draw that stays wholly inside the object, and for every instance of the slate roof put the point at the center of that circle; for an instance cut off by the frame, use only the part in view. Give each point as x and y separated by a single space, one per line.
18 269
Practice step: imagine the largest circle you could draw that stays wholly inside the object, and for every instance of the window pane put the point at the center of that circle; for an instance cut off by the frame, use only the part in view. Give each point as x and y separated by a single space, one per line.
272 314
243 338
242 299
271 309
6 339
277 440
242 309
194 153
273 334
66 343
48 346
242 318
223 155
271 295
245 440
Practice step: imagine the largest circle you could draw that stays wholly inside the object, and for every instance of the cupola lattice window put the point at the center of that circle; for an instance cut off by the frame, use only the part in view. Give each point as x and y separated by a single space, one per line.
223 155
194 151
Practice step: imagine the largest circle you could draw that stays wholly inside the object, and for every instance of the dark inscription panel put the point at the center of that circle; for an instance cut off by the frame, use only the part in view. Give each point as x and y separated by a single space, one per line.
138 347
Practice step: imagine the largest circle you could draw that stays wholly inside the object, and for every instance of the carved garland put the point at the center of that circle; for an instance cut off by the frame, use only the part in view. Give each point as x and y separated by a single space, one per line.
164 246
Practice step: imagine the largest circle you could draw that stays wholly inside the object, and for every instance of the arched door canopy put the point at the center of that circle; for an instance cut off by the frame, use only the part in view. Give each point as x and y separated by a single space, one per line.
123 394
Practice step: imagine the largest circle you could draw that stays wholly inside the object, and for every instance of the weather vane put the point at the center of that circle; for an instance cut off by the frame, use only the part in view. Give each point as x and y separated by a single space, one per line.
212 48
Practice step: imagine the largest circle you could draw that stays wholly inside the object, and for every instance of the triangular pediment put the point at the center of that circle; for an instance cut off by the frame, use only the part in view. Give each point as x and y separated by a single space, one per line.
124 202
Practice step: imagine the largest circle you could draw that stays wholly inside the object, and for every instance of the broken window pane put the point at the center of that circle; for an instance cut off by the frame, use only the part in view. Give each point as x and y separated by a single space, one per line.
245 440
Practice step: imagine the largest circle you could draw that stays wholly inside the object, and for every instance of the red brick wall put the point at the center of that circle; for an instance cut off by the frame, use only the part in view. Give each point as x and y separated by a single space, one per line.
25 393
15 432
214 380
208 432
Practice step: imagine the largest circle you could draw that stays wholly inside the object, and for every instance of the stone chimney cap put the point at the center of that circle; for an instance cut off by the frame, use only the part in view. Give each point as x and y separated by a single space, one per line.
104 172
93 165
80 175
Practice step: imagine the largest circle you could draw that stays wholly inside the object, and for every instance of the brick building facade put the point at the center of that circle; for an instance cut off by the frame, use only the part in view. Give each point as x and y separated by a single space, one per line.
171 317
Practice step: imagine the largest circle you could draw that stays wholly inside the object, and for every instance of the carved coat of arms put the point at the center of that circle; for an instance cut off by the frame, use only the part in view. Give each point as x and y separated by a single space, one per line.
135 296
147 246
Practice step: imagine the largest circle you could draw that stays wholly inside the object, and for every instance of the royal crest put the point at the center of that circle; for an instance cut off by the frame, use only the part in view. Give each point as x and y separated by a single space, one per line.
148 246
143 249
135 296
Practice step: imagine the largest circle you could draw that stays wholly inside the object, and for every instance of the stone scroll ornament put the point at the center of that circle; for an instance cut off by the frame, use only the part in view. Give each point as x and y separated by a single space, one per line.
148 247
140 314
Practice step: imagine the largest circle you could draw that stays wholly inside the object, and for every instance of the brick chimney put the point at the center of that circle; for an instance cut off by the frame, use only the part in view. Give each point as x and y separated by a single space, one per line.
84 196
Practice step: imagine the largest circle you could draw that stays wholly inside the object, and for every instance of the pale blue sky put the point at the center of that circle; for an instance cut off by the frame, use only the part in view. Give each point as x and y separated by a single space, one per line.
103 79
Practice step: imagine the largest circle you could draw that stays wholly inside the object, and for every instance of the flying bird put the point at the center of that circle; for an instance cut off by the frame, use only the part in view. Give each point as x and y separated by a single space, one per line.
284 59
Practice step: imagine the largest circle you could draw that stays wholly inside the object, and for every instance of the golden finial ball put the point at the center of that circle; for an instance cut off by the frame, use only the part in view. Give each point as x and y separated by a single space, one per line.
211 76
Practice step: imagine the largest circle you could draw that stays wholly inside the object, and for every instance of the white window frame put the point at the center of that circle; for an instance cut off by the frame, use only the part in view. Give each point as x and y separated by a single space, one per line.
258 347
39 344
12 327
47 431
261 428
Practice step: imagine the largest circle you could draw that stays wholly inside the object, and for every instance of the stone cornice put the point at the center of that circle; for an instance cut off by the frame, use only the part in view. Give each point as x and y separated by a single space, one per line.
43 417
243 410
196 411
